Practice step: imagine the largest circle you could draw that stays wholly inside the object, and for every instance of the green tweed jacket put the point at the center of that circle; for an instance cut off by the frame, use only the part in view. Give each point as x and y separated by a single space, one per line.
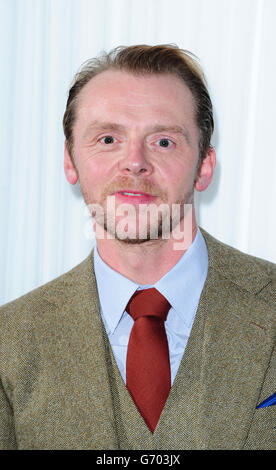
55 386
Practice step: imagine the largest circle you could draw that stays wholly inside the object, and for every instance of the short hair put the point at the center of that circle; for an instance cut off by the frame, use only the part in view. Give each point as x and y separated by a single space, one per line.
146 60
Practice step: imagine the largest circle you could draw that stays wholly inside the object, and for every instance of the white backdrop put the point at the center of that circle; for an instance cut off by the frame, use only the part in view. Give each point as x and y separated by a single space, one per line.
43 43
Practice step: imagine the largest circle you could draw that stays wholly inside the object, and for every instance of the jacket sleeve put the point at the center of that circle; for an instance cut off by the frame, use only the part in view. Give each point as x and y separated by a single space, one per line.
7 430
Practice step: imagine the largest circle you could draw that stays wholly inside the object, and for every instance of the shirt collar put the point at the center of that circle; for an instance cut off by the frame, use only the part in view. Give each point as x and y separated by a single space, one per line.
181 286
114 291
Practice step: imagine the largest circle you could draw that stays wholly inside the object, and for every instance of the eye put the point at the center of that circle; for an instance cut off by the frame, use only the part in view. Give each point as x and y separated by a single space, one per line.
108 139
165 143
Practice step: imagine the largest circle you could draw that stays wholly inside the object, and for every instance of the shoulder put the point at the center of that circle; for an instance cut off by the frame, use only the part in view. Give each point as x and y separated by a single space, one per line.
249 273
47 298
33 326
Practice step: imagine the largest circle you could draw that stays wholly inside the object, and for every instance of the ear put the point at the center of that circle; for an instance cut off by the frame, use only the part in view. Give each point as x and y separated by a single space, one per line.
70 170
206 170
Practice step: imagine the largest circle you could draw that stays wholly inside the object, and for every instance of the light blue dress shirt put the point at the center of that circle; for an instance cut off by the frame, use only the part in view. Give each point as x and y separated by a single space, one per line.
182 287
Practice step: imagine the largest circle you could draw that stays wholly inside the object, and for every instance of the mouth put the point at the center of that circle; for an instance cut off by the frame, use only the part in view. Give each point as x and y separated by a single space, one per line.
134 197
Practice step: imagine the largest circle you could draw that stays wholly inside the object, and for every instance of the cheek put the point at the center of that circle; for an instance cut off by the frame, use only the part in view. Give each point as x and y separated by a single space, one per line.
94 177
92 170
179 176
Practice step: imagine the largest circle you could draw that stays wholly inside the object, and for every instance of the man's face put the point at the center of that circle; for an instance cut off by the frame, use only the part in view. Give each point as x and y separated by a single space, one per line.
135 140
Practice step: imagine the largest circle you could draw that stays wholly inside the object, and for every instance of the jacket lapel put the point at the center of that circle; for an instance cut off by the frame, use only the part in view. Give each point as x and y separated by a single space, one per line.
219 381
236 347
235 353
84 360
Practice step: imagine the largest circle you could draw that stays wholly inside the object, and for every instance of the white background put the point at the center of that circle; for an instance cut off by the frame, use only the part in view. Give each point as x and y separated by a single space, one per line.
44 42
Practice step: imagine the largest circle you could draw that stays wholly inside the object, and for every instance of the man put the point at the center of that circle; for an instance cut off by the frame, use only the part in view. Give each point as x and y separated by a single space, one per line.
163 337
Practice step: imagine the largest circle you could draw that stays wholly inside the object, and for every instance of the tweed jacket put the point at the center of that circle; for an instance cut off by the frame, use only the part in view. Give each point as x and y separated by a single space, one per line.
55 387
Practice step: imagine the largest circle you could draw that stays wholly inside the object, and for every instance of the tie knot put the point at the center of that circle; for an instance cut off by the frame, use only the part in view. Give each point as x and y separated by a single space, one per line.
148 303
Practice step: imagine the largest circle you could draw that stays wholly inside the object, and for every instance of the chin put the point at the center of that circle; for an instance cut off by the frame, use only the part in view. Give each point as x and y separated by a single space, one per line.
133 234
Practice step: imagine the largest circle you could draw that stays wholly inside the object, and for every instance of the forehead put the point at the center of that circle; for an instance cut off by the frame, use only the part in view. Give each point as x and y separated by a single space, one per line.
135 103
116 89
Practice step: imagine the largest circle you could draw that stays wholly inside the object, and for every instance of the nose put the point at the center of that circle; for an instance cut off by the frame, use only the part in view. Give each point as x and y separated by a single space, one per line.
135 161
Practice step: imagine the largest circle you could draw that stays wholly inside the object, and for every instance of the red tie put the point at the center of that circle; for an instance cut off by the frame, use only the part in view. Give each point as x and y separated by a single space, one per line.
148 375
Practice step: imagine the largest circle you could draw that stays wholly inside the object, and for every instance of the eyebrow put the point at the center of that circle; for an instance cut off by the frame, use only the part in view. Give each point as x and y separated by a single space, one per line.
102 126
175 129
119 127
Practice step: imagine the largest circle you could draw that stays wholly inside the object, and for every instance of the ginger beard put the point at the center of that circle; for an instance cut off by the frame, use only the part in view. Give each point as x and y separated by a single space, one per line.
136 223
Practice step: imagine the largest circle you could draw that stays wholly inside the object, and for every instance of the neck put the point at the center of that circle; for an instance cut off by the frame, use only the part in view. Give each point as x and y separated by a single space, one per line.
146 263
